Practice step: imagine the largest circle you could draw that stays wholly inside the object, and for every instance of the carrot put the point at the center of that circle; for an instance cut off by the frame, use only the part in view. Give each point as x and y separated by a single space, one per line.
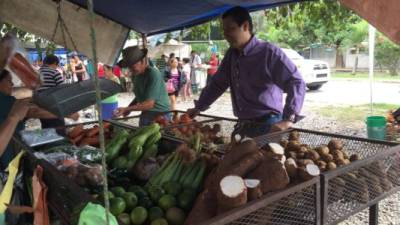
92 141
93 131
76 131
76 140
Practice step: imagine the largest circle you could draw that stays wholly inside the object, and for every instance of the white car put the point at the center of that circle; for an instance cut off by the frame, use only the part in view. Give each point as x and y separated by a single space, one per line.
315 72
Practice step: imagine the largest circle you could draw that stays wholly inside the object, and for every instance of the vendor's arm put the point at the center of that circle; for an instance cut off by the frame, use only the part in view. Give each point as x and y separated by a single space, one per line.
7 128
289 79
142 106
217 86
39 113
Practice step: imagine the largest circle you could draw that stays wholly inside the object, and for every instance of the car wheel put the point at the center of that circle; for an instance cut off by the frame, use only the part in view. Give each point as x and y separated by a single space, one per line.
314 87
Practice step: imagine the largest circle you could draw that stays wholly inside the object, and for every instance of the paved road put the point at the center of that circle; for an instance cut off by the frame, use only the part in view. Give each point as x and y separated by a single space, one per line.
337 92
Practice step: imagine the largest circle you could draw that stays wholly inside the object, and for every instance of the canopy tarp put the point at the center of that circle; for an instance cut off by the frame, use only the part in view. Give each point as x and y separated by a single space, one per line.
180 49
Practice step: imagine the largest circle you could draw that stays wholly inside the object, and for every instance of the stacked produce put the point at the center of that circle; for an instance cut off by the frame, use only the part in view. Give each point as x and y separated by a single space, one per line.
80 136
170 191
185 128
245 173
304 161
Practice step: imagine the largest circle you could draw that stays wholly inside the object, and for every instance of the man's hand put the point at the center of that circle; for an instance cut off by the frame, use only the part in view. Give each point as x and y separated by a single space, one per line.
193 112
74 116
281 126
20 109
122 111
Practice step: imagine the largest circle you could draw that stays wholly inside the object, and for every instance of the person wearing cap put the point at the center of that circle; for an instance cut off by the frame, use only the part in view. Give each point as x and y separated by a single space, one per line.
257 74
151 97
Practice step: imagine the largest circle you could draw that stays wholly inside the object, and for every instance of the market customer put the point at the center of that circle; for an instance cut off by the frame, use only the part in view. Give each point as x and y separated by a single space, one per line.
151 96
109 104
51 78
78 69
177 79
257 73
7 112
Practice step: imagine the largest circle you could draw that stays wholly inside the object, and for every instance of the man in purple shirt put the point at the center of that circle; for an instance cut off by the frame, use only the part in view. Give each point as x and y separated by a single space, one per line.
257 73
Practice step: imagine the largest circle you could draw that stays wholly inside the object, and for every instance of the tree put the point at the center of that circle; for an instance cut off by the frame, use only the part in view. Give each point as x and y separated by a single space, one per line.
357 34
302 24
388 54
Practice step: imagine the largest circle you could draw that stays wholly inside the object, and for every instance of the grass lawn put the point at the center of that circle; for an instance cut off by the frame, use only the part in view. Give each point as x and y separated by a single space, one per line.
356 112
364 76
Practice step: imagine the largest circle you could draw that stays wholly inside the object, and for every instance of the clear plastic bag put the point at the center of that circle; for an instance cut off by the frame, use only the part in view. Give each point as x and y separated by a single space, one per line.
39 137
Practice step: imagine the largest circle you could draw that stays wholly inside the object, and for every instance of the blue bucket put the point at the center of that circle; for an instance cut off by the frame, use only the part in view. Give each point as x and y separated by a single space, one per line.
107 109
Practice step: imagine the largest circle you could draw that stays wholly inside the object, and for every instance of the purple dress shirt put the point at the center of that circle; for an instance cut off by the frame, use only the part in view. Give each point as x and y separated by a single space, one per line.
257 77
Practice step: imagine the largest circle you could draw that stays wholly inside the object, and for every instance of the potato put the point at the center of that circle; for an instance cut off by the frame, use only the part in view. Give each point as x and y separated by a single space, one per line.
385 183
331 166
337 155
322 150
300 155
284 143
342 162
335 144
336 186
363 194
294 136
303 149
322 165
327 157
292 155
313 155
304 162
293 146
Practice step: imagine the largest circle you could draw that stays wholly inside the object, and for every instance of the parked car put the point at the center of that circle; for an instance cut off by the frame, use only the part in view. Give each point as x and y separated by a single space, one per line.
315 72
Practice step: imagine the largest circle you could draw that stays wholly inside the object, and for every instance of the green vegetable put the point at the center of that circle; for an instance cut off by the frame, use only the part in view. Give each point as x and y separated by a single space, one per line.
167 201
115 145
124 218
186 199
120 163
160 221
117 206
118 191
155 213
140 136
139 191
138 215
134 155
172 188
155 193
152 140
130 199
175 216
150 152
146 202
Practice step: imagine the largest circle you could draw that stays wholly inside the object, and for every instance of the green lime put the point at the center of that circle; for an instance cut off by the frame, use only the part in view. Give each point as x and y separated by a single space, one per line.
155 213
146 202
167 201
118 191
160 221
100 198
186 199
117 206
155 193
138 215
124 218
172 188
175 216
130 200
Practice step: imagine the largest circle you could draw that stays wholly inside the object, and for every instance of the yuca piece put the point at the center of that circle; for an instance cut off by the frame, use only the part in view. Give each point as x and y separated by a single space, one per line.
291 168
253 189
203 209
272 174
232 193
309 172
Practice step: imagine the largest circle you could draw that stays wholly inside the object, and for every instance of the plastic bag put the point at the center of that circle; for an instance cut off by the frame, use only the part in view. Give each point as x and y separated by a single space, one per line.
94 214
170 86
39 137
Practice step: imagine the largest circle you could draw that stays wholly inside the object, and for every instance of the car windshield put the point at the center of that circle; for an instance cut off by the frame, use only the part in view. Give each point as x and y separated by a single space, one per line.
292 54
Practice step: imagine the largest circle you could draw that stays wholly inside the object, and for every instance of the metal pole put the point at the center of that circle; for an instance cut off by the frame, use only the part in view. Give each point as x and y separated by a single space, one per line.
373 214
371 42
98 107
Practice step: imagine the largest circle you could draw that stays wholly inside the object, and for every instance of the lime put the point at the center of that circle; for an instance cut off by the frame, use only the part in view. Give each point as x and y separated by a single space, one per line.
117 206
139 191
186 199
172 188
155 213
100 198
118 191
155 193
160 221
167 201
130 200
124 218
138 215
175 216
146 202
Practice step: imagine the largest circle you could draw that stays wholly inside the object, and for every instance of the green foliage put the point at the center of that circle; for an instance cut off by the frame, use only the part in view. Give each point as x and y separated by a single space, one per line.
200 32
388 55
168 37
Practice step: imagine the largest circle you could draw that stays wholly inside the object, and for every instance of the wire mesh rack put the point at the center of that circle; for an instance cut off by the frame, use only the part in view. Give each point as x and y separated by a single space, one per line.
299 204
349 189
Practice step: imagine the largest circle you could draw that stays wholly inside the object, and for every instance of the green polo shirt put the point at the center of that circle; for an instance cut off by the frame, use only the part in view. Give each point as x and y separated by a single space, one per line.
7 102
150 86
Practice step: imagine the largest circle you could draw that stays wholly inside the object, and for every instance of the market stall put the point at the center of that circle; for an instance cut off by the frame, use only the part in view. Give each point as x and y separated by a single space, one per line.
297 177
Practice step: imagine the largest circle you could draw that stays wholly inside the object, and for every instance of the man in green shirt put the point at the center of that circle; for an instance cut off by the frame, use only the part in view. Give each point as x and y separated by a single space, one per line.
151 96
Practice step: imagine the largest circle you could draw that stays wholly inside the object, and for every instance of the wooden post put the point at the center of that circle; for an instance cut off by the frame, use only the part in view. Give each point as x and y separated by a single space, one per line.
144 40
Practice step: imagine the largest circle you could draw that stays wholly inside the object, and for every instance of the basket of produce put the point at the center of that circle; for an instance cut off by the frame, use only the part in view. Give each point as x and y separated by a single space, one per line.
356 172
